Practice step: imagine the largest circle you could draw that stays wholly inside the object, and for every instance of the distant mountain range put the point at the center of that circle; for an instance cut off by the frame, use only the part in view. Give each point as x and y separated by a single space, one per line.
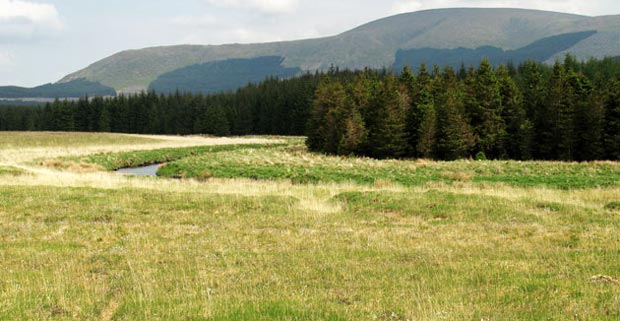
70 89
443 37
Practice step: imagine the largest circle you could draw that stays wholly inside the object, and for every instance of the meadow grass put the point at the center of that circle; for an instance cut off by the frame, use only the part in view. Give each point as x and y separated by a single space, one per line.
114 161
10 171
448 246
51 139
292 161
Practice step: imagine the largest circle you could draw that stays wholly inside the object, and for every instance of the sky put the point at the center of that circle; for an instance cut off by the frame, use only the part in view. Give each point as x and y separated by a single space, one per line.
43 40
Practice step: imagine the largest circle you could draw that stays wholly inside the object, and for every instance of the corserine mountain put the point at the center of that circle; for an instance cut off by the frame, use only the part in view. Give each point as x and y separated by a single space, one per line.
442 36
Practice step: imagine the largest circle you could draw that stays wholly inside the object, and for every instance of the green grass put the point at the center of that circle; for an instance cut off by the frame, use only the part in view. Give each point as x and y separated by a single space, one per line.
614 206
52 139
397 240
114 161
10 171
294 163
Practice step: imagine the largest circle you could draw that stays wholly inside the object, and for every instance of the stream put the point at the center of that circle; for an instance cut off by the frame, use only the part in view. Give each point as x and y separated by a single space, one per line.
150 170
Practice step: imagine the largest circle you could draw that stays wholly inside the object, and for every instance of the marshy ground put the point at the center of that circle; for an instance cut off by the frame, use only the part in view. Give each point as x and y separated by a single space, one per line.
259 229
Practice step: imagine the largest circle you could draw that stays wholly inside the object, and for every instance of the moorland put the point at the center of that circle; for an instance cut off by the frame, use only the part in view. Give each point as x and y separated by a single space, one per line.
258 228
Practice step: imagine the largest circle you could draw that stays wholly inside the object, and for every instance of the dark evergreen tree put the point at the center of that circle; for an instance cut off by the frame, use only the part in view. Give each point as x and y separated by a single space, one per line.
420 101
427 133
327 116
587 114
526 140
355 134
216 122
533 87
562 103
486 108
455 137
104 120
612 121
513 113
389 138
548 127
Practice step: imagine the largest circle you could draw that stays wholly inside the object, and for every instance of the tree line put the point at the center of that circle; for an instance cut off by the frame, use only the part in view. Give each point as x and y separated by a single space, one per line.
568 111
271 107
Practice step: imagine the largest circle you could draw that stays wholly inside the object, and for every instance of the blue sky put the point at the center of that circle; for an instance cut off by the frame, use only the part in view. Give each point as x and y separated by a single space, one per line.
43 40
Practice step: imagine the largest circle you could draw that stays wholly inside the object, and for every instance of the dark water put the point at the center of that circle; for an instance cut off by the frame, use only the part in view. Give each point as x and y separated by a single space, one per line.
150 170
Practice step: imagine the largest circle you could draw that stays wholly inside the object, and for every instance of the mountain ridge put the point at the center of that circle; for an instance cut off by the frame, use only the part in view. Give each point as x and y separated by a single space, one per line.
373 44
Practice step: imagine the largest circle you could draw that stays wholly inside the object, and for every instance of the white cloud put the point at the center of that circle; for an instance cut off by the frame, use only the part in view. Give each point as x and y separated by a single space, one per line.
402 6
202 21
265 6
196 30
569 6
20 20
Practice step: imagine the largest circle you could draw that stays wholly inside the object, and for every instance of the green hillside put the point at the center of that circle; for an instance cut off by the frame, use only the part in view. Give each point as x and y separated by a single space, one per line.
372 45
74 88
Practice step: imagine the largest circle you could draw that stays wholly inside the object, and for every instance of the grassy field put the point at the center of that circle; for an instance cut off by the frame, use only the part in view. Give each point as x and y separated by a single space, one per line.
259 229
10 140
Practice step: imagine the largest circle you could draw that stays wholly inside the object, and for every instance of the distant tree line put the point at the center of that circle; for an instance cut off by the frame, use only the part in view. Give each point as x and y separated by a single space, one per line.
568 111
271 107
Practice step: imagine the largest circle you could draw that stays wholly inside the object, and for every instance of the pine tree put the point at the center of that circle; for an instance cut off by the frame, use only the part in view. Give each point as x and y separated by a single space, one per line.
407 80
355 133
389 139
104 120
315 138
335 119
534 90
427 133
64 114
455 137
526 140
612 121
564 128
462 72
327 116
548 129
361 92
532 86
487 108
470 101
513 113
589 123
83 115
421 99
587 114
216 122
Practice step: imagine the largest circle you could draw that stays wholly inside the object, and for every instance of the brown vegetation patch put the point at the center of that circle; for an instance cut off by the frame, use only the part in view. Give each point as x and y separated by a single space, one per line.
604 279
457 175
72 166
